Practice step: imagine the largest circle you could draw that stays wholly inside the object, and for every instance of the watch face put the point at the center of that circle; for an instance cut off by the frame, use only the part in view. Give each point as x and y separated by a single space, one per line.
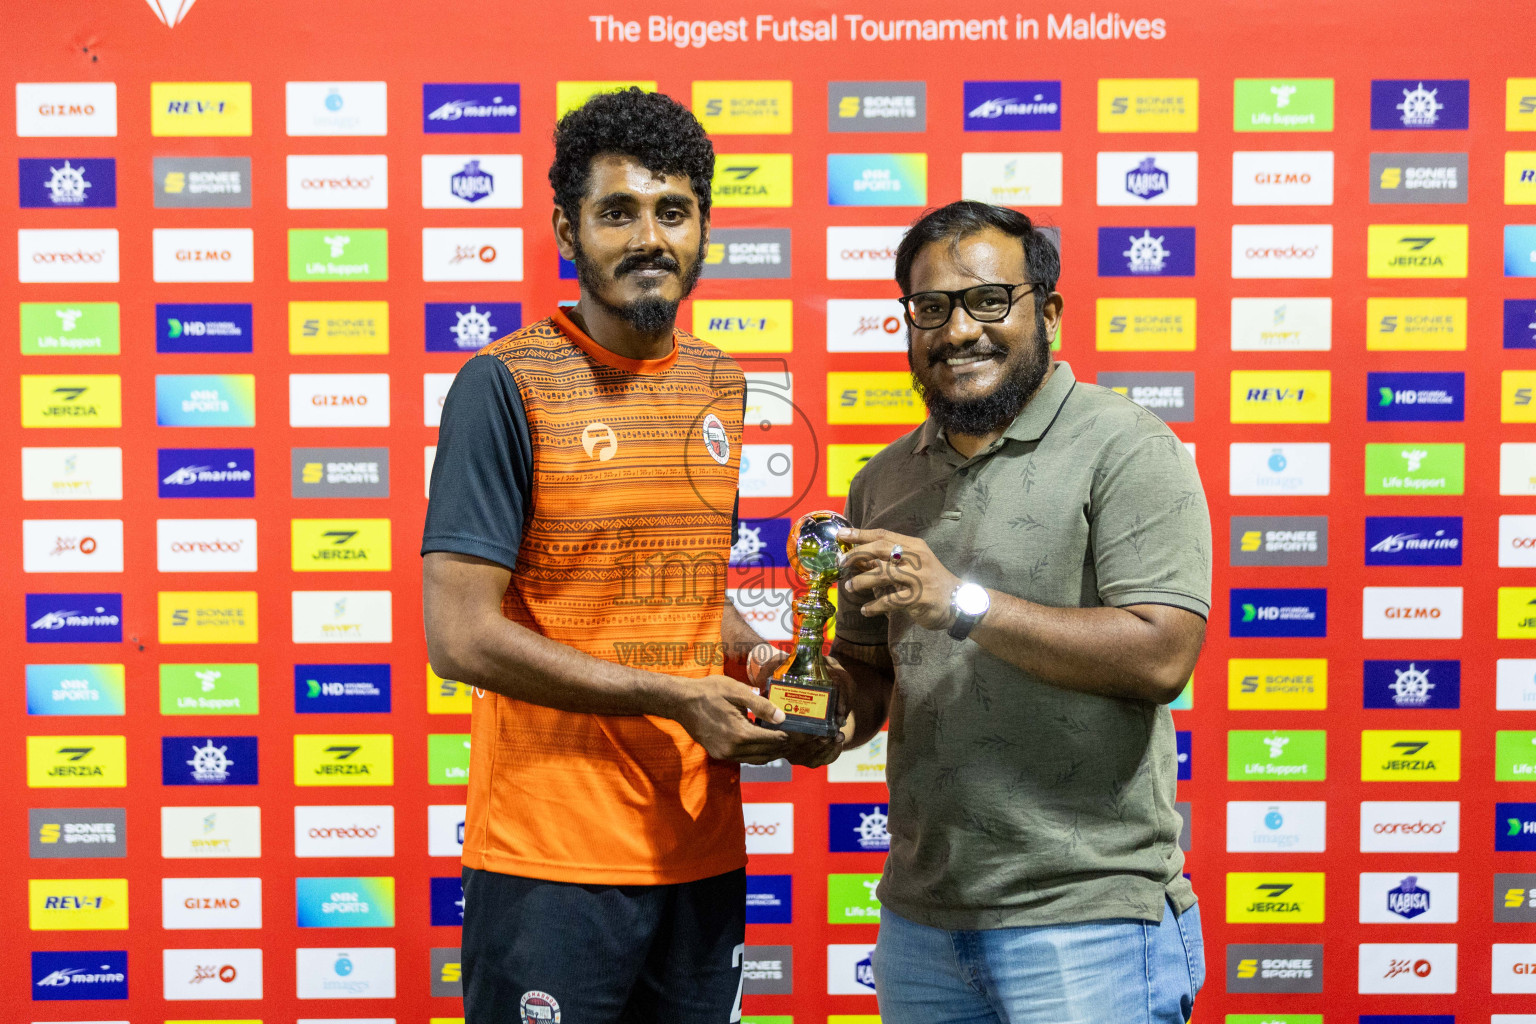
971 599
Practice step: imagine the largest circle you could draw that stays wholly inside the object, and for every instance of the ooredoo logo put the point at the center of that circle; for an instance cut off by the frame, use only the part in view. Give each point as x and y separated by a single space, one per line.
206 545
1282 250
770 828
356 831
337 182
862 254
66 256
1410 827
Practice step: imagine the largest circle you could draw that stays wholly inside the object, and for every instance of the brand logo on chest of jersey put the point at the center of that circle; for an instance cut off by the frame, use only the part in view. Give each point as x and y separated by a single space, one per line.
599 441
716 440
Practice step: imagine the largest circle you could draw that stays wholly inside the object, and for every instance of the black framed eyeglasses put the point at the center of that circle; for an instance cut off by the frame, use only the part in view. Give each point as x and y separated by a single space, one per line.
987 303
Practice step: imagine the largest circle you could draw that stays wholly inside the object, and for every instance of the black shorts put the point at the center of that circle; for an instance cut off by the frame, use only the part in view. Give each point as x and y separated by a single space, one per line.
538 952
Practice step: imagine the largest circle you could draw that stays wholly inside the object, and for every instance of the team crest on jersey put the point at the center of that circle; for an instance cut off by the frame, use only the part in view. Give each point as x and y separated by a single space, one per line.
715 439
538 1008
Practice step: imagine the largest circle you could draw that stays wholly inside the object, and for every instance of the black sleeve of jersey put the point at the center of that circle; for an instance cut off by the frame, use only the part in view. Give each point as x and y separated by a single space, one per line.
482 478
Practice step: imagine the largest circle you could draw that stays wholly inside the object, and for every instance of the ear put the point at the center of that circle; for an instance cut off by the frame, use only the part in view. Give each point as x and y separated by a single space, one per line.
1051 311
565 233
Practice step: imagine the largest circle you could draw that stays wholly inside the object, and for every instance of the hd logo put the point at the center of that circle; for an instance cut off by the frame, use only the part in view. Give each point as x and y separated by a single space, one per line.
753 180
68 762
1416 250
77 904
1415 397
1427 755
366 759
1275 897
341 545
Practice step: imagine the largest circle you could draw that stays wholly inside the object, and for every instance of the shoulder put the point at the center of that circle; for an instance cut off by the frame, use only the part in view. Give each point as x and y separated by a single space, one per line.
539 340
722 371
889 463
1109 422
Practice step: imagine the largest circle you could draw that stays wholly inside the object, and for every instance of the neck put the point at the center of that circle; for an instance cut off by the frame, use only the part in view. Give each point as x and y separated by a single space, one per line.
617 335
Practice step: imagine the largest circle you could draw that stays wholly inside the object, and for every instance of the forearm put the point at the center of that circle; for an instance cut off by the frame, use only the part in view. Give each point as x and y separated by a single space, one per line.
1112 652
495 654
868 699
737 640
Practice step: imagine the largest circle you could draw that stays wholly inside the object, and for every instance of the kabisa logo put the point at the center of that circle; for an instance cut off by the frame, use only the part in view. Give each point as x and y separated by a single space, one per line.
446 899
203 327
1415 397
1407 899
207 472
325 689
208 761
1293 612
87 974
1146 180
877 106
471 181
1140 178
1146 252
1413 540
468 327
1515 827
760 542
471 108
1412 684
855 827
74 618
68 183
1012 106
1418 104
202 182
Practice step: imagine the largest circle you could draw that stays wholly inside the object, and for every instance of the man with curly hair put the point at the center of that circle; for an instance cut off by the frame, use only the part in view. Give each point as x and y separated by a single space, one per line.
581 517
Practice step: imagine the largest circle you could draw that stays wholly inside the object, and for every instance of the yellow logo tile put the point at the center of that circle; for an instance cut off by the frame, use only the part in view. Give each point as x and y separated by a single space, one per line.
843 461
570 95
77 904
446 697
1275 897
1281 396
1264 684
1416 325
746 325
1429 755
338 328
1149 104
207 616
200 108
1144 325
69 762
744 108
753 179
340 545
1416 250
1520 105
883 396
71 400
1517 613
360 759
1517 396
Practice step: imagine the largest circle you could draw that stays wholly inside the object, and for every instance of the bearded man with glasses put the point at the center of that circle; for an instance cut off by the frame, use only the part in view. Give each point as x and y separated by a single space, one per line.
1026 593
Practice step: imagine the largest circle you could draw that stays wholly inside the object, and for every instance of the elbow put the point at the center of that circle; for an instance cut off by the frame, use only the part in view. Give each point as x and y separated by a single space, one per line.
445 656
1164 683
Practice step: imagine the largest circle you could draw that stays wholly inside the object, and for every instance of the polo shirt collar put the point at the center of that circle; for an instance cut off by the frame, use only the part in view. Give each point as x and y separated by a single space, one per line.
1032 421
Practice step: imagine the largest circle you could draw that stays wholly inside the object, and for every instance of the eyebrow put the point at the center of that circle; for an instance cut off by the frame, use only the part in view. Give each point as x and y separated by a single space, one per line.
629 198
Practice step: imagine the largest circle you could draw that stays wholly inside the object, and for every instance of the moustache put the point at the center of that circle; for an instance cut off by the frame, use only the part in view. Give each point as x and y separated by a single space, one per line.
630 264
943 352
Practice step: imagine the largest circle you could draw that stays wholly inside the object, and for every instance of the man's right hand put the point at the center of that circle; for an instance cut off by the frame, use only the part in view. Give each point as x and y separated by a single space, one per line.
713 710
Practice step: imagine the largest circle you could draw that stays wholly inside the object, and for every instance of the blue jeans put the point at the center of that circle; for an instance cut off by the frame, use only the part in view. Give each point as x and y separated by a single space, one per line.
1098 972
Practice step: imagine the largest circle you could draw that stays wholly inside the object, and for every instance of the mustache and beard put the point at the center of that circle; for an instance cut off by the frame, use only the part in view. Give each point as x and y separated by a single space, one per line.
978 416
649 314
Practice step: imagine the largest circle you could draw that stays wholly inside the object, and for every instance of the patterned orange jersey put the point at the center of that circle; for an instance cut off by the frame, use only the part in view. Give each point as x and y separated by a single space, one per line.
623 557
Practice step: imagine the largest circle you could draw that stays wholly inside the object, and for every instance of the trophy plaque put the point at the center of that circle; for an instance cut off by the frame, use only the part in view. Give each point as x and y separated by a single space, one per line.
800 686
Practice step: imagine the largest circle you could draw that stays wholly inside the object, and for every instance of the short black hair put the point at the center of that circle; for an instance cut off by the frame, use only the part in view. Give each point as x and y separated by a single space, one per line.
659 132
962 219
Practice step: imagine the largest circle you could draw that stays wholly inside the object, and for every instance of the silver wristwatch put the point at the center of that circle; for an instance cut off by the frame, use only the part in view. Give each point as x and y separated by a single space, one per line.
970 602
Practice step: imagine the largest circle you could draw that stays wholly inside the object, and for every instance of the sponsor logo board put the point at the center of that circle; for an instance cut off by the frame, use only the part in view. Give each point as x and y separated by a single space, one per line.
194 255
1410 826
337 108
77 832
877 106
202 182
1279 540
188 833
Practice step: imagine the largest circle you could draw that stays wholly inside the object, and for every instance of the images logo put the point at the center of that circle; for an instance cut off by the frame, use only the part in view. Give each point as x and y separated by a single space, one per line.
202 182
1413 540
207 472
1420 178
209 689
1279 612
66 109
1415 397
1012 106
1275 897
77 832
1149 104
1294 826
90 974
1419 104
1144 325
471 108
208 760
71 400
337 108
75 689
1417 250
1146 252
349 760
1415 468
1429 755
199 108
877 179
77 904
203 327
205 400
1275 683
1282 105
744 108
457 327
1275 967
345 902
1279 540
1413 684
66 183
877 106
341 254
1277 755
753 179
340 689
757 325
1417 325
1277 469
74 618
1281 396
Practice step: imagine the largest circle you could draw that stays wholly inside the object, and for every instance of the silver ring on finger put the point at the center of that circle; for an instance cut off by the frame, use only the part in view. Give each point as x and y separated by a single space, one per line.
896 554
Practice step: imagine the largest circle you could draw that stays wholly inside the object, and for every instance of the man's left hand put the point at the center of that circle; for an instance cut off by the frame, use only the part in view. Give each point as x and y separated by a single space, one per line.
914 583
808 751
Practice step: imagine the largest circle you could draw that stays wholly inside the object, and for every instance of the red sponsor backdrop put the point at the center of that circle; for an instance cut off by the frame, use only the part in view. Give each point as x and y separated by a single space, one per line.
407 45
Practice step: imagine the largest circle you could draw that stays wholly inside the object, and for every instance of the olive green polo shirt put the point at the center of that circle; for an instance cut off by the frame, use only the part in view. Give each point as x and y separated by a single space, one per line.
1015 802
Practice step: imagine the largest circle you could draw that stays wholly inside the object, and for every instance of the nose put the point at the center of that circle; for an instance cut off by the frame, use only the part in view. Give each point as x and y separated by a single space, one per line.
962 329
646 236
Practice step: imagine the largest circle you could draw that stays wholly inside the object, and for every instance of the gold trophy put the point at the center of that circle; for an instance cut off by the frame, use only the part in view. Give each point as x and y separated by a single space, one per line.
800 686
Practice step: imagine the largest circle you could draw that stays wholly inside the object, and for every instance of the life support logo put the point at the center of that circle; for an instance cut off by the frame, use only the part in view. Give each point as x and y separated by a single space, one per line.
600 442
715 439
538 1008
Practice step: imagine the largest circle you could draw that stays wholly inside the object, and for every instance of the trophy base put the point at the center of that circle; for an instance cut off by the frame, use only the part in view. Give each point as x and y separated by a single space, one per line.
808 708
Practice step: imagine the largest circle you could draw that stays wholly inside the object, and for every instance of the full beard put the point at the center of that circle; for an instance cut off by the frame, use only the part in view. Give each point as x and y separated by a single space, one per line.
649 314
977 417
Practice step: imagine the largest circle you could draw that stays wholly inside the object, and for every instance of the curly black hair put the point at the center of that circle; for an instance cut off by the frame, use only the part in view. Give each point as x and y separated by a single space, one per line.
960 220
652 127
